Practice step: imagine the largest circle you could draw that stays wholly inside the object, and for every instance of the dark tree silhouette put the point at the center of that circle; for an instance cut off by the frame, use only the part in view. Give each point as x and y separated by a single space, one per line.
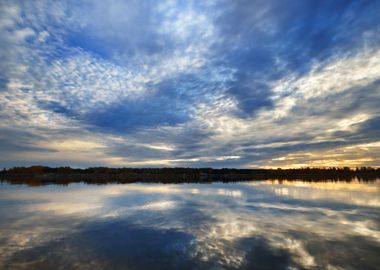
36 175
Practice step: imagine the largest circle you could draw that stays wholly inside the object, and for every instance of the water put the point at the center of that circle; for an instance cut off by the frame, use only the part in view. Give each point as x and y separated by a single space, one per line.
250 225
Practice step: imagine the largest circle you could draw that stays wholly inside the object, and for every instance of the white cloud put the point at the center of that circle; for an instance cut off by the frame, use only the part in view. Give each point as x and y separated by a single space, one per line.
335 76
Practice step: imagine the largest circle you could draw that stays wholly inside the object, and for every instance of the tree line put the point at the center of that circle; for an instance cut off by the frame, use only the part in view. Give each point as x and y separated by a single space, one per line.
99 175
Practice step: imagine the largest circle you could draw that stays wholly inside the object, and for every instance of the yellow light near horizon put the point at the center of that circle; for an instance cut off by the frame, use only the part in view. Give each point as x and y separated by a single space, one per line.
352 156
75 144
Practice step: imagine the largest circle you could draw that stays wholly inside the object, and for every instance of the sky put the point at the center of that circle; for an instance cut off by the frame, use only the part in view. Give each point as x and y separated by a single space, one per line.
219 83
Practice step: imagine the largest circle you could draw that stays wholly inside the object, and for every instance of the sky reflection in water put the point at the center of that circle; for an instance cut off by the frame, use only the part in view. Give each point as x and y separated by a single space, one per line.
251 225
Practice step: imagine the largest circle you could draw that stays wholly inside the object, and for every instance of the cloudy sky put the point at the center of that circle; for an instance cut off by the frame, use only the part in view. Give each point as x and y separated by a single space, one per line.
253 83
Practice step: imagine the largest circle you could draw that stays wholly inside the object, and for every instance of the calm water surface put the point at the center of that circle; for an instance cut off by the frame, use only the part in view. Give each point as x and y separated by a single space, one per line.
250 225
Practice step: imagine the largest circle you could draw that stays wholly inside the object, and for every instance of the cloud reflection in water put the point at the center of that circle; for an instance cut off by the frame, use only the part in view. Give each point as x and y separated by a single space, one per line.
256 225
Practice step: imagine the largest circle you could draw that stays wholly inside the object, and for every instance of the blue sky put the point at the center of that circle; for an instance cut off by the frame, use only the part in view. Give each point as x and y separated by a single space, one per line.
190 83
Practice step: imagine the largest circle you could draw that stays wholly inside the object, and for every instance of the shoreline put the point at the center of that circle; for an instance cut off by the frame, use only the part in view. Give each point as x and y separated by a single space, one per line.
36 175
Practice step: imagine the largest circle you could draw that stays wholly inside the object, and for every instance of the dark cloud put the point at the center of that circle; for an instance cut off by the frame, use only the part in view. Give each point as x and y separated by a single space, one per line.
14 140
169 104
263 256
129 115
265 40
